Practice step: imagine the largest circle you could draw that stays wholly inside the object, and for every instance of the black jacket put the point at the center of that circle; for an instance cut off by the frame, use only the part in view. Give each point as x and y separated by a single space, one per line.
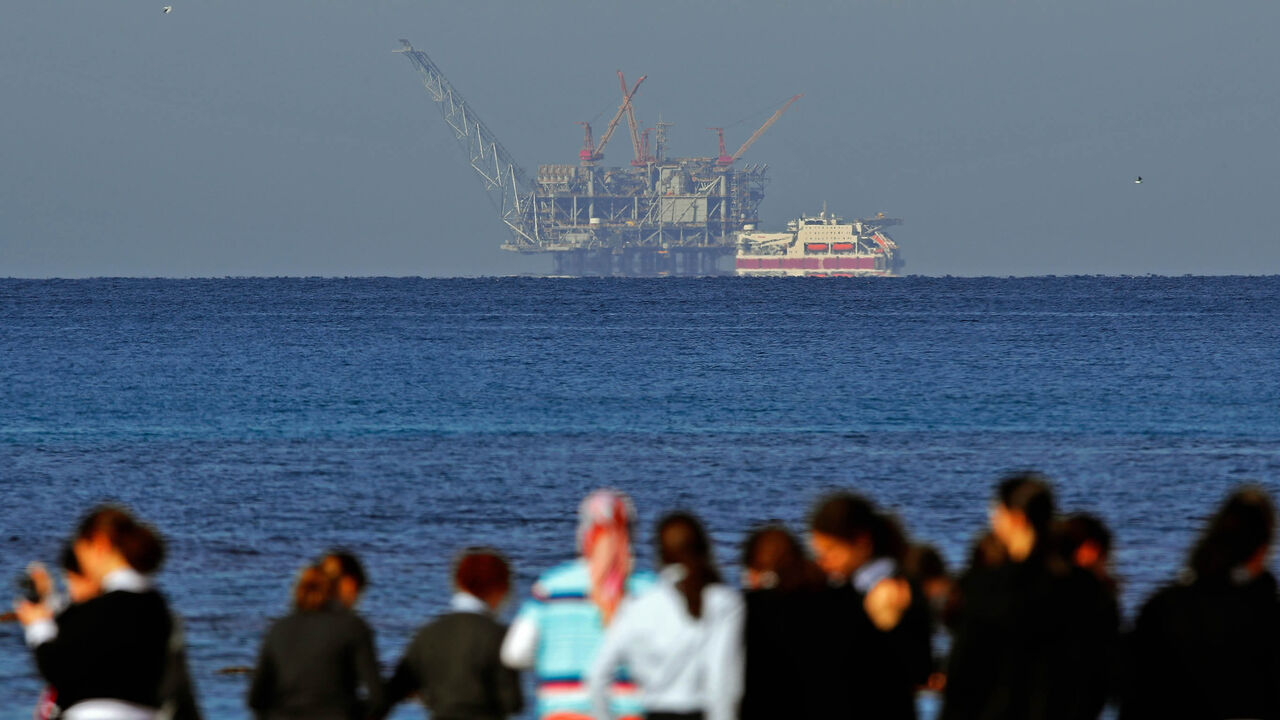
816 654
313 664
1206 650
1031 642
114 646
453 662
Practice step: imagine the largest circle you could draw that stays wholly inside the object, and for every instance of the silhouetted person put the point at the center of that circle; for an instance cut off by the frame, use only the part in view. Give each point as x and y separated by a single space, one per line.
315 661
787 674
453 662
1208 646
1033 636
877 629
774 559
681 640
924 567
1085 541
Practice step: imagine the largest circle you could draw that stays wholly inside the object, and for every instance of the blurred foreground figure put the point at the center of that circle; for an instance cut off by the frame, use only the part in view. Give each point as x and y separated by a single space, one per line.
315 661
453 662
558 631
79 589
681 639
926 569
924 565
113 652
876 627
1086 543
1033 635
348 576
788 672
1209 646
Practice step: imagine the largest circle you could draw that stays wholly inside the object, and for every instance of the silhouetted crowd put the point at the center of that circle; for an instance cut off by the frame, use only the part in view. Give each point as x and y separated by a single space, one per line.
846 623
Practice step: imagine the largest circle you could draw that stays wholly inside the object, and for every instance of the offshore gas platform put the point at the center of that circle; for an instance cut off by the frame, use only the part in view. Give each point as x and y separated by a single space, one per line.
657 216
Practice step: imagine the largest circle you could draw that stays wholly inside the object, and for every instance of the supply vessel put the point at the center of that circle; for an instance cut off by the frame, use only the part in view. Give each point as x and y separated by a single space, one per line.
825 245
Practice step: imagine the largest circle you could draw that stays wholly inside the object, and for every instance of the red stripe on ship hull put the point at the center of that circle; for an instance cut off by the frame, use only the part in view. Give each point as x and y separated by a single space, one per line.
829 263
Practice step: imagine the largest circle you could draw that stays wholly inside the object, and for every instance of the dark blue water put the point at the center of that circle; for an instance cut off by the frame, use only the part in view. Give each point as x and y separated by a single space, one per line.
260 421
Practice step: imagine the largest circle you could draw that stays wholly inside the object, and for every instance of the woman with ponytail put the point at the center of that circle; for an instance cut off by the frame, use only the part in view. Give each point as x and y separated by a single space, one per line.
681 640
559 629
314 661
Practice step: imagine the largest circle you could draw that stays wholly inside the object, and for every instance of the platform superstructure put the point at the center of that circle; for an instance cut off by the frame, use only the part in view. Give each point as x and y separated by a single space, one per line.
657 215
824 245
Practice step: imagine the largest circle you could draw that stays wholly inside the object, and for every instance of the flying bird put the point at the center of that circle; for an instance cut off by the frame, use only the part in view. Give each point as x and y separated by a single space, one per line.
168 9
1138 180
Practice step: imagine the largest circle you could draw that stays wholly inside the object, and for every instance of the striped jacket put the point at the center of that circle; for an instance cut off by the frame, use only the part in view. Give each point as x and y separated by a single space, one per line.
561 628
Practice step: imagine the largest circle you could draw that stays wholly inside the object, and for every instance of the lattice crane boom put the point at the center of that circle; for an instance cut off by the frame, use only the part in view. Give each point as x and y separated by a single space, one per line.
504 180
636 146
625 107
767 124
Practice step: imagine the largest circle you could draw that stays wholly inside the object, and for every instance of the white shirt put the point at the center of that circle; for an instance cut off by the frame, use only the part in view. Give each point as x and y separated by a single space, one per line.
465 602
520 646
681 663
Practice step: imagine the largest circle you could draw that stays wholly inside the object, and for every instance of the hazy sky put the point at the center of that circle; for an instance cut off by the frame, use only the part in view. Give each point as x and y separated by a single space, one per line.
283 137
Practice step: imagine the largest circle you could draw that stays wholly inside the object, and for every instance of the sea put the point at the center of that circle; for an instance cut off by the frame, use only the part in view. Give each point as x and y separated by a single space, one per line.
258 422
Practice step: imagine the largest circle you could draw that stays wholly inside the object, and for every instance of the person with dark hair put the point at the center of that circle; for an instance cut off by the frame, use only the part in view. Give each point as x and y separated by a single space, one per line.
558 631
316 661
876 623
1033 636
108 655
774 559
923 566
348 576
1085 541
681 640
1207 646
453 662
855 543
786 671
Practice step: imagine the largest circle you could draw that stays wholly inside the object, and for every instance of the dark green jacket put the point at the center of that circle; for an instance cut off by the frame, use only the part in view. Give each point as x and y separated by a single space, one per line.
453 664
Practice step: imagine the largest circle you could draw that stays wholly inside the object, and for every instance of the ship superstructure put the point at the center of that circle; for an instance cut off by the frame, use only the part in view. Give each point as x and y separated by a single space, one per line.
658 215
824 246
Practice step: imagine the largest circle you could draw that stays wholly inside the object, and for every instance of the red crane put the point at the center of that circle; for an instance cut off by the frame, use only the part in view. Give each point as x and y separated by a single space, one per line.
589 153
724 158
637 147
644 147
